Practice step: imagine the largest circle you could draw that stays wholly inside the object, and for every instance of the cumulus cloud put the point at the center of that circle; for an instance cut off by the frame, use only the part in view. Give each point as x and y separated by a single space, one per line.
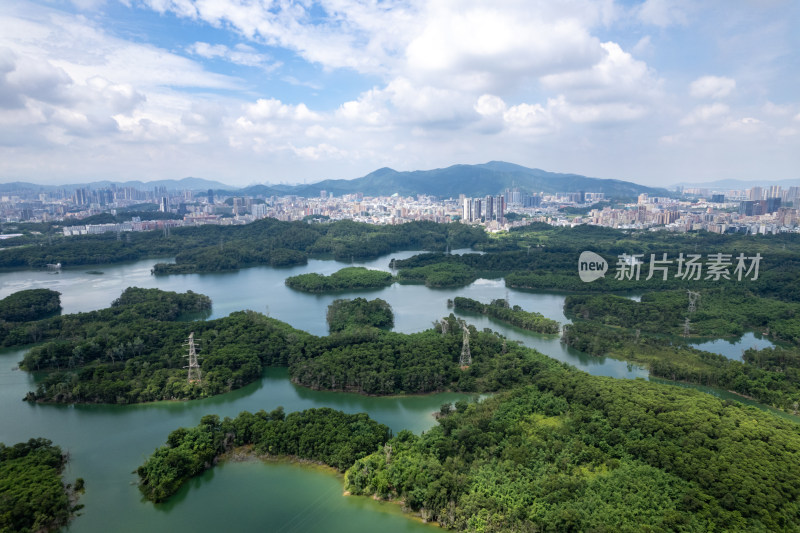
616 76
714 87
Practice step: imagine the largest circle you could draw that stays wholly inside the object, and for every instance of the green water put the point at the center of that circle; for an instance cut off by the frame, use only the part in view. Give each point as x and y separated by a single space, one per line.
106 443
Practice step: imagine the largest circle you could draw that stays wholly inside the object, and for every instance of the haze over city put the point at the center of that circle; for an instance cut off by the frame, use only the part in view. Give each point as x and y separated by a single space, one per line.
656 92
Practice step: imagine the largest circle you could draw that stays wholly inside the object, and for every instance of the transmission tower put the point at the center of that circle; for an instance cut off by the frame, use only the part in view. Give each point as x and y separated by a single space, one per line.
693 297
194 368
686 327
466 357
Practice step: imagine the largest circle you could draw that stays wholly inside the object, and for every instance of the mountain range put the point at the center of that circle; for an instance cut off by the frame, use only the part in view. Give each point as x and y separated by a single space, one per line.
472 180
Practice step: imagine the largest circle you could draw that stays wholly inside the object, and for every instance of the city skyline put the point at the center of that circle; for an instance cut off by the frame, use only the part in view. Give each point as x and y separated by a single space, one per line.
654 92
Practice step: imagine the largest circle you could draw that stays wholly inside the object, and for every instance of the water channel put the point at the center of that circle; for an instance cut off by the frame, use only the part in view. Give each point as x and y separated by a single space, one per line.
106 443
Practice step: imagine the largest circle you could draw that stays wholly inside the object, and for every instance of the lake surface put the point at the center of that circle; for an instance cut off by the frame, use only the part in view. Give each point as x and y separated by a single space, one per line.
106 443
735 348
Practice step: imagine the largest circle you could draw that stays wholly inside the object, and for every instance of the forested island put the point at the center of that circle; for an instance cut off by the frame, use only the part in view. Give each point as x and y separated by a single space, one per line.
323 435
516 316
29 304
33 497
359 312
345 279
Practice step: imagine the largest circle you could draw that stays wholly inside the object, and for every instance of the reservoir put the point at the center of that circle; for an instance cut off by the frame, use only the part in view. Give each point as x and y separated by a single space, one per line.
107 443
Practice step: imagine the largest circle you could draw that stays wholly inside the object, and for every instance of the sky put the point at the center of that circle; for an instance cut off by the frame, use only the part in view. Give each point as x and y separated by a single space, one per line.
261 91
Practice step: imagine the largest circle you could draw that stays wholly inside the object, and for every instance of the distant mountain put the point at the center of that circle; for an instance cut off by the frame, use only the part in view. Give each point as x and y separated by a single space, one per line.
740 184
192 184
472 180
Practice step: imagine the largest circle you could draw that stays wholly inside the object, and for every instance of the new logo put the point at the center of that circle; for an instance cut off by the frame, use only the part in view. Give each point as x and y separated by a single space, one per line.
591 266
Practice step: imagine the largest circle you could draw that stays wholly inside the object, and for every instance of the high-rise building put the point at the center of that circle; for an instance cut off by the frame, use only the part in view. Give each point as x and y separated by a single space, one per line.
499 209
774 191
476 210
466 214
756 194
488 208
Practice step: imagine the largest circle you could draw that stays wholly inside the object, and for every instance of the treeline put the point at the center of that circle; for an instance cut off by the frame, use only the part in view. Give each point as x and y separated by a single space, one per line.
30 304
516 316
359 312
574 452
33 497
345 279
267 241
325 435
772 378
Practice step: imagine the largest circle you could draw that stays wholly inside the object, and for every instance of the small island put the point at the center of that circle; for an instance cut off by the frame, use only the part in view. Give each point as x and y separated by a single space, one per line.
345 279
515 315
30 304
359 312
33 496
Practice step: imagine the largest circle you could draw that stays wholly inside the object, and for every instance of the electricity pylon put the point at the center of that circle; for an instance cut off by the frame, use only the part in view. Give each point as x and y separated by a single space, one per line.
194 368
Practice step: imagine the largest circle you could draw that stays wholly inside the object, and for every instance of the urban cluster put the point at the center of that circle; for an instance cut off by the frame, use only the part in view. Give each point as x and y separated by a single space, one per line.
754 211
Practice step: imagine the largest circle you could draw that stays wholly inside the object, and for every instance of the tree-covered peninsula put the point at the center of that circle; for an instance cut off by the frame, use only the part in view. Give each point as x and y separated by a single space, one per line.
566 452
348 278
574 452
324 435
33 496
516 316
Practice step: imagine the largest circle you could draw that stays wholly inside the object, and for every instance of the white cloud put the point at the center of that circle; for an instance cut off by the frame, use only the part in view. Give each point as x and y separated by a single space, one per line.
616 77
241 54
664 13
479 47
707 113
714 87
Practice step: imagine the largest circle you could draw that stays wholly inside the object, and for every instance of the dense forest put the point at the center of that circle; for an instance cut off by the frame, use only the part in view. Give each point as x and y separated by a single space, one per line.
716 313
345 279
325 435
772 378
543 257
33 497
29 304
566 452
516 316
218 248
574 452
371 361
134 350
358 312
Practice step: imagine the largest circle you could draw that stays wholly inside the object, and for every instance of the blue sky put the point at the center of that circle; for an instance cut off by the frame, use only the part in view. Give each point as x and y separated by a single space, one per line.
261 91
